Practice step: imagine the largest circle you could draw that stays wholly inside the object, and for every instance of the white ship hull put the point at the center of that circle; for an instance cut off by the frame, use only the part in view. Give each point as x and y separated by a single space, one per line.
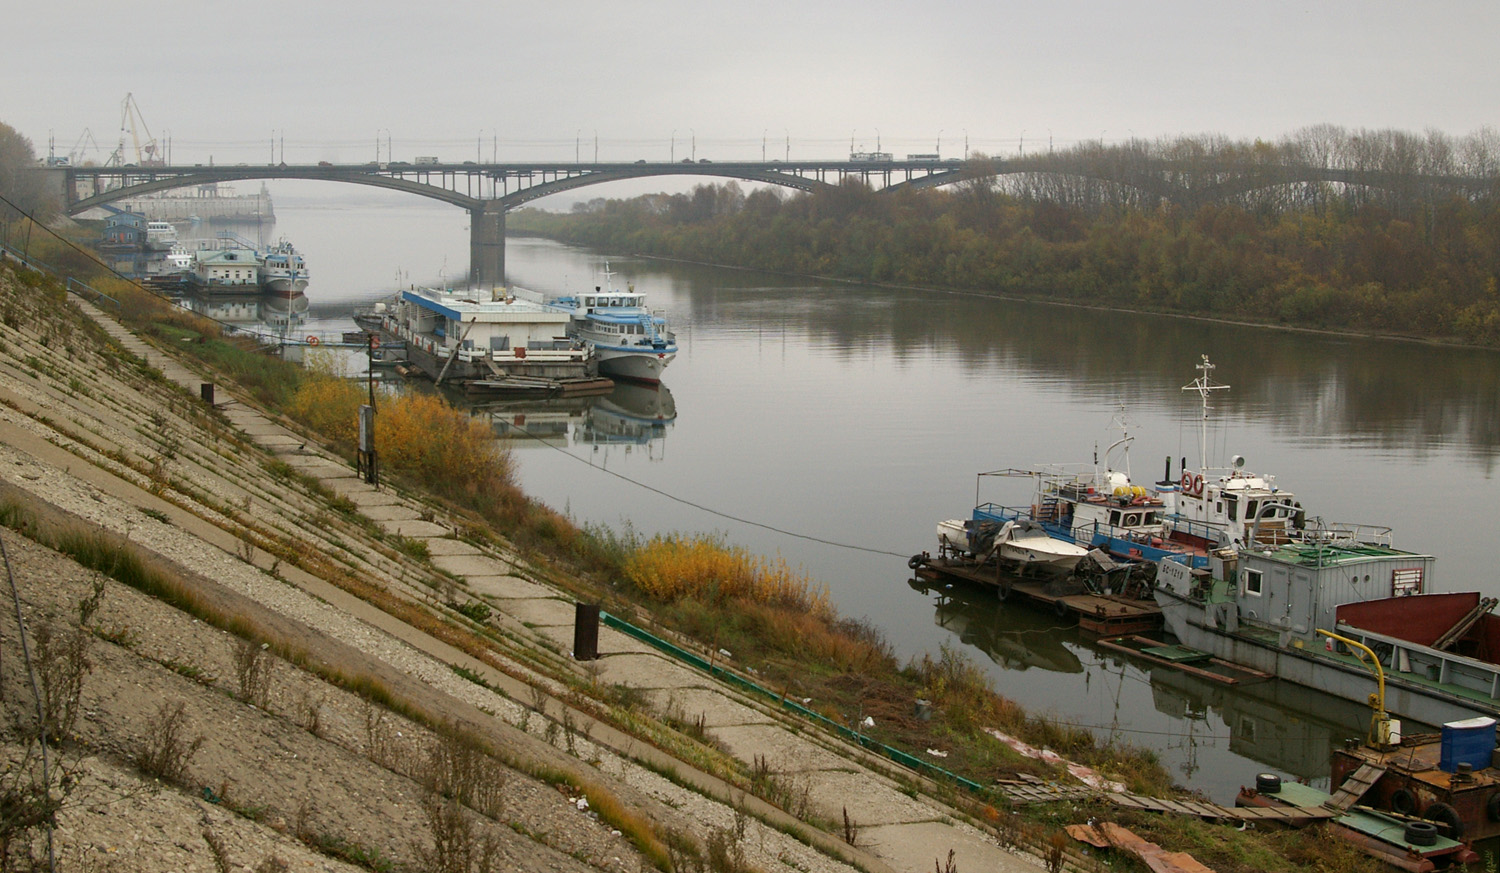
636 366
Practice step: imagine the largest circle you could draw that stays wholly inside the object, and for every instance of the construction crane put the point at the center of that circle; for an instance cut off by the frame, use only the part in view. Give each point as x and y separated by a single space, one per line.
81 148
145 153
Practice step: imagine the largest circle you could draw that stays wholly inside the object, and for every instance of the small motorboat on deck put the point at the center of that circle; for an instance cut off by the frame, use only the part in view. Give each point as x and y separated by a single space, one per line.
1026 545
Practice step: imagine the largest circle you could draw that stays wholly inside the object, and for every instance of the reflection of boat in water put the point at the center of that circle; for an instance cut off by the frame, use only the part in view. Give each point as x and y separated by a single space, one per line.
233 309
1014 639
631 413
1278 724
283 311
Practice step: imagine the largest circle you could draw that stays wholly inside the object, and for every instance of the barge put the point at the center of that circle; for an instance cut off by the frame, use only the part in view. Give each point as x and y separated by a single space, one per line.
495 342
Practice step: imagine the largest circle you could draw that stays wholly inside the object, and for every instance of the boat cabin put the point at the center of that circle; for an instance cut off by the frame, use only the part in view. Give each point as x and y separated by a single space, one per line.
508 324
1295 588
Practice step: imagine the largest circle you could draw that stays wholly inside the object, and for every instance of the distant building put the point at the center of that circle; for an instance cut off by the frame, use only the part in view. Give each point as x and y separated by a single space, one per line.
124 230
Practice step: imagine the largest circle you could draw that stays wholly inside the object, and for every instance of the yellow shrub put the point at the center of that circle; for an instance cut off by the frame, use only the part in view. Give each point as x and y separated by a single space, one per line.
330 406
702 567
443 446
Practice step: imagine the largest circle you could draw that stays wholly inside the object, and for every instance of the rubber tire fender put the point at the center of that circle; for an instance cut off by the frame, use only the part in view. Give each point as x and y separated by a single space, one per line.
1443 814
1059 607
1420 833
915 562
1492 807
1002 591
1403 802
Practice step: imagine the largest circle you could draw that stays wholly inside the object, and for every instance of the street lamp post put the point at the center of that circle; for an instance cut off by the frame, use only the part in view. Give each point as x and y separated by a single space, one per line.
694 152
763 133
940 143
788 142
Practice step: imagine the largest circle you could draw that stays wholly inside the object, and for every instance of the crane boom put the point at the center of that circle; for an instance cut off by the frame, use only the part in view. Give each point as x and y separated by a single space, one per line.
145 153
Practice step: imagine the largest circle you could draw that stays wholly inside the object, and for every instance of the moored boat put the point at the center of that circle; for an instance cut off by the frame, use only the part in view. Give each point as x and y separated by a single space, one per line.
283 270
161 236
1024 545
511 341
629 340
1333 606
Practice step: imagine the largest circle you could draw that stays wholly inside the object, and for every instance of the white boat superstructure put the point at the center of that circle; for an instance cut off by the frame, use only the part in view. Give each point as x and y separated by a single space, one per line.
283 270
629 340
1226 508
161 236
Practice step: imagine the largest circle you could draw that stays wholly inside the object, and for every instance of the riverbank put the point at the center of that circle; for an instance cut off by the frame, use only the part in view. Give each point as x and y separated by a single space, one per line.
350 588
292 518
1039 298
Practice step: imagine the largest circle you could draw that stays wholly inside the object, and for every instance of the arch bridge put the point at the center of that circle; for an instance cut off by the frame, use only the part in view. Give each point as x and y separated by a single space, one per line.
489 190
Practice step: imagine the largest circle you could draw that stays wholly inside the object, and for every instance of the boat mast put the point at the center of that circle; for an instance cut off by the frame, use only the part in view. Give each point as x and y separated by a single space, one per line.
1203 385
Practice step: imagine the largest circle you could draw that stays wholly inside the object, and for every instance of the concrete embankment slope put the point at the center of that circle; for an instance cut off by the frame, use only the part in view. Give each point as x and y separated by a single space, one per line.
268 526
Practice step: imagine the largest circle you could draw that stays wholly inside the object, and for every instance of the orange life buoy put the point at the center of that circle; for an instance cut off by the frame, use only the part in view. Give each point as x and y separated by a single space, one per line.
1187 481
1197 485
312 340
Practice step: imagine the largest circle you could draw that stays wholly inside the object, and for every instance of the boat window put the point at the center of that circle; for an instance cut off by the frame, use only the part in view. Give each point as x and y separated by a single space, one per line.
1234 504
1253 582
1132 519
1250 510
1114 516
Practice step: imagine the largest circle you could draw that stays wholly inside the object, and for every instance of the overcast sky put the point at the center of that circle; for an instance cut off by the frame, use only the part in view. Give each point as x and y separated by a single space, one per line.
540 80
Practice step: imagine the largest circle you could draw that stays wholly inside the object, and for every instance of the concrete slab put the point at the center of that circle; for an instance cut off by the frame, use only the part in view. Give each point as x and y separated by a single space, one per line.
543 613
414 528
784 752
716 709
451 547
506 586
641 670
389 512
314 465
471 565
871 801
918 846
363 493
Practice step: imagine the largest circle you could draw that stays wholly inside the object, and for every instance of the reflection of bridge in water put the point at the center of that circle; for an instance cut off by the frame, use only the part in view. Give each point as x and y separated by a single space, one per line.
489 190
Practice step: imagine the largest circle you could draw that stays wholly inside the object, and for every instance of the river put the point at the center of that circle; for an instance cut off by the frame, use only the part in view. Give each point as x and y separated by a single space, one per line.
833 425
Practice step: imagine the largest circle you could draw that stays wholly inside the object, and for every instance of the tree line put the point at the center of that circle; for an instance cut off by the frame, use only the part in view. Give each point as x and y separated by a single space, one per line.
1413 261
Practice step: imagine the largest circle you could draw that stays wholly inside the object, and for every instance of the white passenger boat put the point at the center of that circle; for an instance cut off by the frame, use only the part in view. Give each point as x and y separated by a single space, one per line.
283 270
629 341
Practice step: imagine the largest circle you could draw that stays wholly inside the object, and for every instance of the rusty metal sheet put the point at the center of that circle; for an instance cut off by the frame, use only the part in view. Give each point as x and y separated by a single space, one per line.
1108 835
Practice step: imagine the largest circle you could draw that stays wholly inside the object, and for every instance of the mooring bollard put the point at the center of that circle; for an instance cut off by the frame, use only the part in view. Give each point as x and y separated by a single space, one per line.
206 390
586 632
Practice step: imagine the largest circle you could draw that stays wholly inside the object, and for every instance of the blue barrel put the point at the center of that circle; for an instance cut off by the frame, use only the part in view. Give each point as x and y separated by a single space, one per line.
1471 741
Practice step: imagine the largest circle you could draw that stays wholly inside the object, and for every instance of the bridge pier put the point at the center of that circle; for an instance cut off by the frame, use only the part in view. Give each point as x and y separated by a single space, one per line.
487 244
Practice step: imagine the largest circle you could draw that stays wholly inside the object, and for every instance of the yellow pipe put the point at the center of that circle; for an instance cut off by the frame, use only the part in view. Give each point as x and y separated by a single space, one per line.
1378 698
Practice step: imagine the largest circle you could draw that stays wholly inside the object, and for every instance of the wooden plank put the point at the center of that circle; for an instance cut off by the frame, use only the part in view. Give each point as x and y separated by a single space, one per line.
1355 786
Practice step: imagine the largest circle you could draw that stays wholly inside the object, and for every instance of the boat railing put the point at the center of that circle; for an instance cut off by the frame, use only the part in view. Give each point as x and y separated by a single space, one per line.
1346 533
